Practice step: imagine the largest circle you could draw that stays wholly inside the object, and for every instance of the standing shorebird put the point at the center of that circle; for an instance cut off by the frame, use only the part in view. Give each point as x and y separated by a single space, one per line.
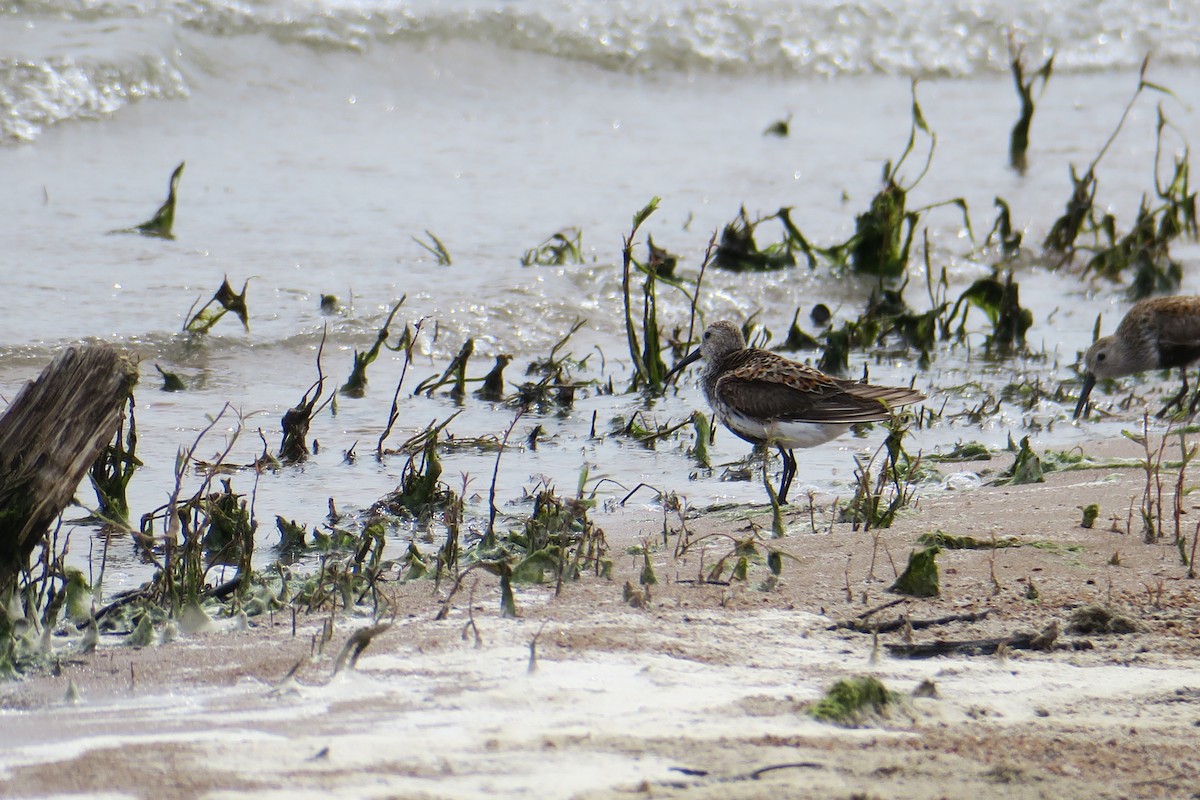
1158 333
766 399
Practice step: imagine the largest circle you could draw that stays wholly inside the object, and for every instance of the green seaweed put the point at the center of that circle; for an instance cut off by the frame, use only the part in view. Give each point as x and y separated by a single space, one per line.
420 486
291 535
851 702
880 245
356 384
649 368
557 538
920 576
114 467
779 128
171 381
1008 237
1146 247
704 434
143 633
224 300
508 602
1060 240
948 541
296 420
1019 138
1055 547
962 451
659 261
563 247
797 339
647 577
1001 304
161 225
1026 468
79 597
436 248
455 372
493 382
876 502
1079 213
737 251
229 523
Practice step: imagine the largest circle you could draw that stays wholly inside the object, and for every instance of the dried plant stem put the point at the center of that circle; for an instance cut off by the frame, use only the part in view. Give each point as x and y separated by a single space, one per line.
1185 457
490 539
708 254
1191 573
394 414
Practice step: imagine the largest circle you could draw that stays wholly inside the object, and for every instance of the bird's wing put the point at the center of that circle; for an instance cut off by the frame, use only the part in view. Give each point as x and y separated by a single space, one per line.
891 396
1176 323
1175 319
775 388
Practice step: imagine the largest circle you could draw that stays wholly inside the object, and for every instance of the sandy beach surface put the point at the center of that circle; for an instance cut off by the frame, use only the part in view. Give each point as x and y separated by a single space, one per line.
363 168
682 688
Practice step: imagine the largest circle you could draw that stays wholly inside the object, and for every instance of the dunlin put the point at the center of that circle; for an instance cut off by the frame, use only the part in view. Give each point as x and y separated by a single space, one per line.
766 399
1158 333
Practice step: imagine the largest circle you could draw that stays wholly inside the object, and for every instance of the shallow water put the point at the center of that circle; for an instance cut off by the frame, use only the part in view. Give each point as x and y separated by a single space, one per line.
320 140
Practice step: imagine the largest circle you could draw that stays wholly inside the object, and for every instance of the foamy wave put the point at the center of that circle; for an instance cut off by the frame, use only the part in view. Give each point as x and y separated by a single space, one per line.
911 37
918 38
35 94
809 37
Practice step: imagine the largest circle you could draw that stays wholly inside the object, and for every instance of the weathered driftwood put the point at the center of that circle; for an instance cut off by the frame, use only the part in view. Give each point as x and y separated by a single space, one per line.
49 436
1046 640
863 626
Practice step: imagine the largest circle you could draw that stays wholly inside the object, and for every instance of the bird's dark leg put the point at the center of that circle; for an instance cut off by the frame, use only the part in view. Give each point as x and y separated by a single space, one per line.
789 472
1195 398
1177 400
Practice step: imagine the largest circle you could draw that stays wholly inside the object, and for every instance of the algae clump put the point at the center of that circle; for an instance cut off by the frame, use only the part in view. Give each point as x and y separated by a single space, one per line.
850 701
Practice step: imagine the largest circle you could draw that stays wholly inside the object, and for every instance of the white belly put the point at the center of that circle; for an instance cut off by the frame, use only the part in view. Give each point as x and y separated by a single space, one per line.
787 435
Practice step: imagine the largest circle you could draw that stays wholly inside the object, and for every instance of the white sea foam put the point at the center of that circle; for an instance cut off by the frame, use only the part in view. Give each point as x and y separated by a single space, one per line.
75 72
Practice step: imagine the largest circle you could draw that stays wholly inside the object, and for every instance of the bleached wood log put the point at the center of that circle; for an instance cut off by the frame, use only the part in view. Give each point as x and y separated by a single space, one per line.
50 434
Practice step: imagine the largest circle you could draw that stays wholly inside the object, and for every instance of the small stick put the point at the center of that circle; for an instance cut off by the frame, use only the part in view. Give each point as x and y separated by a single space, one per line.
533 650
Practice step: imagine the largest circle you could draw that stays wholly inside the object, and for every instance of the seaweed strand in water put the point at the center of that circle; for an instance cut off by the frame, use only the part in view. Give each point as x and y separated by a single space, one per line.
356 384
111 472
455 373
163 221
1019 138
224 300
296 420
649 367
1060 241
883 234
1146 247
563 247
436 249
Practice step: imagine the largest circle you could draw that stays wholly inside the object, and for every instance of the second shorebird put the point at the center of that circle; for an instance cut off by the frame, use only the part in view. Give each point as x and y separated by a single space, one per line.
766 399
1158 333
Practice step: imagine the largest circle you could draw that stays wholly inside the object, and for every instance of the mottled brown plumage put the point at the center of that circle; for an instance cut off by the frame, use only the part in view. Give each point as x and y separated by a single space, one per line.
765 398
765 385
1158 333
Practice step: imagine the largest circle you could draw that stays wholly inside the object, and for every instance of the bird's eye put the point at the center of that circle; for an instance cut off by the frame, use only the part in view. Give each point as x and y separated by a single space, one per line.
708 334
1101 356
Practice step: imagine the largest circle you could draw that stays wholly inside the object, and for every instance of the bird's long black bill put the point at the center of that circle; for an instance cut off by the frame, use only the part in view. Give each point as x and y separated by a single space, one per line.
693 356
1089 380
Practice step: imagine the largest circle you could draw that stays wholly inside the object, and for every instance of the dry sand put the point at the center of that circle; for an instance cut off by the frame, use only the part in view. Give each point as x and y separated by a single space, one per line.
699 693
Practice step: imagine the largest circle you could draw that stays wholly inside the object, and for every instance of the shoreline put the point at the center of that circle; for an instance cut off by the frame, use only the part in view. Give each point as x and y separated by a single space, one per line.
699 692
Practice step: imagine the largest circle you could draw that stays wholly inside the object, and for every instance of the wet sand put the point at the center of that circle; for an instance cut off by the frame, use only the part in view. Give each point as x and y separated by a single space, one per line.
699 692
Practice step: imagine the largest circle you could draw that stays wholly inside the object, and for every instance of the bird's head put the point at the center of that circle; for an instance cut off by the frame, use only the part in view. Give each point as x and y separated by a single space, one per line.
720 339
1106 358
